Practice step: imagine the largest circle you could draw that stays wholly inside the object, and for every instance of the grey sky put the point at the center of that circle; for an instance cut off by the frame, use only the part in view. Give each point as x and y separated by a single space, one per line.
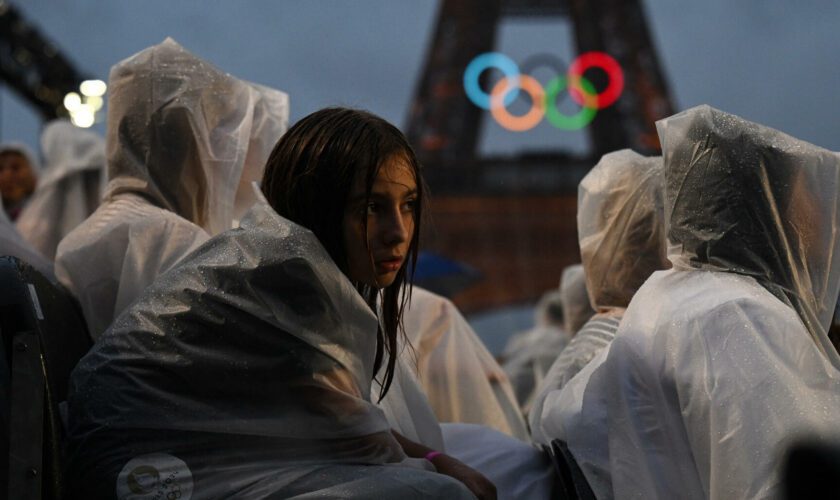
773 61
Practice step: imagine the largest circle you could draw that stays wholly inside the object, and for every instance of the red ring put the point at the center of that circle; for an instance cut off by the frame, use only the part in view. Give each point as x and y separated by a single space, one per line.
611 68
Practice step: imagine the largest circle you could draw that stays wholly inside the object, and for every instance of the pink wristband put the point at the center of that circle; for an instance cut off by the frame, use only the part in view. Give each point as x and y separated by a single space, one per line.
431 455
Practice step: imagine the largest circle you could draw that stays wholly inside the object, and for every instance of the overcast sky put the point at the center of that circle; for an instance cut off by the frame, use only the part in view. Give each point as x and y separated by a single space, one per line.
772 61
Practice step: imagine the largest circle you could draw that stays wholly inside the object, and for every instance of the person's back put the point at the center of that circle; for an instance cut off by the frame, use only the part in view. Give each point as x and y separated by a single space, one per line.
183 137
12 244
528 356
69 188
622 241
722 361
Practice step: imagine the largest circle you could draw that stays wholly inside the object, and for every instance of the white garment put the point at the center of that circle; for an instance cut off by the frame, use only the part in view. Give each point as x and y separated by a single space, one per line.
576 307
622 241
69 188
529 358
621 227
528 355
183 140
459 375
406 406
12 244
721 362
518 470
707 383
249 363
587 343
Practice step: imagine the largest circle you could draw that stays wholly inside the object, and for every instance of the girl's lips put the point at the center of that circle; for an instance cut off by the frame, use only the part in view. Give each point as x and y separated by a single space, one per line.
389 266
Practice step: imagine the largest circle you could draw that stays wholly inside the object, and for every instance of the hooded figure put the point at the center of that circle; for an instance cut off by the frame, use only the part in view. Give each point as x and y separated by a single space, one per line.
529 355
69 188
621 229
723 360
244 371
184 139
574 298
458 374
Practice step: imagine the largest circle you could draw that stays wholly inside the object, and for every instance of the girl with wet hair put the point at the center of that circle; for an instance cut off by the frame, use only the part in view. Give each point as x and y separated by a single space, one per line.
322 174
248 368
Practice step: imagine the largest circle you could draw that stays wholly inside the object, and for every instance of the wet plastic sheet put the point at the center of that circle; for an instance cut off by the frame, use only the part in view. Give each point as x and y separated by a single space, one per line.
575 298
11 243
459 375
184 141
720 363
245 370
69 188
622 241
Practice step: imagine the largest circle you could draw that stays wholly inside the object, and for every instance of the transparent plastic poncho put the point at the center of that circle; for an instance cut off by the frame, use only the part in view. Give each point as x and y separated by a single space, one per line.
461 379
184 141
576 307
12 244
69 188
622 241
621 227
721 362
247 368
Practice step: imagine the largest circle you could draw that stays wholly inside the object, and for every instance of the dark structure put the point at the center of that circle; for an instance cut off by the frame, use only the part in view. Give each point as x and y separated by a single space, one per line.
513 217
33 66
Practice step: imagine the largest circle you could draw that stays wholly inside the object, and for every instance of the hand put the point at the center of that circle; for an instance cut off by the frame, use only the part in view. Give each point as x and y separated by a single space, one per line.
479 485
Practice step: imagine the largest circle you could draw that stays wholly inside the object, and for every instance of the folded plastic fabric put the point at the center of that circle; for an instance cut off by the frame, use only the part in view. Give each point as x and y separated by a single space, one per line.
576 307
184 142
69 188
462 380
517 469
528 355
245 368
723 361
13 244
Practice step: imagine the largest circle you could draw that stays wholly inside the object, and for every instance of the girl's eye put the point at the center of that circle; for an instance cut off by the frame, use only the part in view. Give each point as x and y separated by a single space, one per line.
371 208
409 205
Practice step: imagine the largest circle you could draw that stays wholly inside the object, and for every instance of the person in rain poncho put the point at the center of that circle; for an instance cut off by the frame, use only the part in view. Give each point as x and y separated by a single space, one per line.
458 374
69 188
18 177
246 370
622 241
574 298
183 138
722 361
529 355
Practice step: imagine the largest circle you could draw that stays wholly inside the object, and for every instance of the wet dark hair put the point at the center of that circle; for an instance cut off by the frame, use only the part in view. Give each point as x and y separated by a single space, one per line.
308 179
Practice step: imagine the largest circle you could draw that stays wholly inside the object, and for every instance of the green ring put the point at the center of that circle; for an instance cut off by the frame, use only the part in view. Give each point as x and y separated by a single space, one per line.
558 119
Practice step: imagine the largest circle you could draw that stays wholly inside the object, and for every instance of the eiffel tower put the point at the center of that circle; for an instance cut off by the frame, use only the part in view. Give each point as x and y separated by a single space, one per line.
514 218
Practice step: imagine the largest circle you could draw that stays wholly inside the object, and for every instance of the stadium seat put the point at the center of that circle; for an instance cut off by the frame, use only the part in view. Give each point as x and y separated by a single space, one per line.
43 337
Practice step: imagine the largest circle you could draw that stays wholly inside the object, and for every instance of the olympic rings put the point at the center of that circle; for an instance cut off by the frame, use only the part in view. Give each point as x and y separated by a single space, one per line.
518 123
610 67
486 61
543 101
579 119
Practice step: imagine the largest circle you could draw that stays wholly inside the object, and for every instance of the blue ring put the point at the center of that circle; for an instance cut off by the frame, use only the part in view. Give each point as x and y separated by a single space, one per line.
485 61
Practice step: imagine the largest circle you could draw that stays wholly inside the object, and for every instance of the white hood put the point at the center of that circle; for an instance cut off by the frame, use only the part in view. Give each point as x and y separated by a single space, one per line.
179 133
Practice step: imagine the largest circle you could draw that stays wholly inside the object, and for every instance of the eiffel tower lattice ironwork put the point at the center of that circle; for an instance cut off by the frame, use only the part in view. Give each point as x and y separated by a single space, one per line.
444 125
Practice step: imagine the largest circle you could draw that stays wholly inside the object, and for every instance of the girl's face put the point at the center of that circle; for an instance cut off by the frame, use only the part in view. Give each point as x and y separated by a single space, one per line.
375 258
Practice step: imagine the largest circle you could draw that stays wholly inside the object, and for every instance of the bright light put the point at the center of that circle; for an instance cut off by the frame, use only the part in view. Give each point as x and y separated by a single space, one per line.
93 88
83 116
72 101
95 102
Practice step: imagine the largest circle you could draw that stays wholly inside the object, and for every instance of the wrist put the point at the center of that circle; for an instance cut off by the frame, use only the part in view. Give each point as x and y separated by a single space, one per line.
432 455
